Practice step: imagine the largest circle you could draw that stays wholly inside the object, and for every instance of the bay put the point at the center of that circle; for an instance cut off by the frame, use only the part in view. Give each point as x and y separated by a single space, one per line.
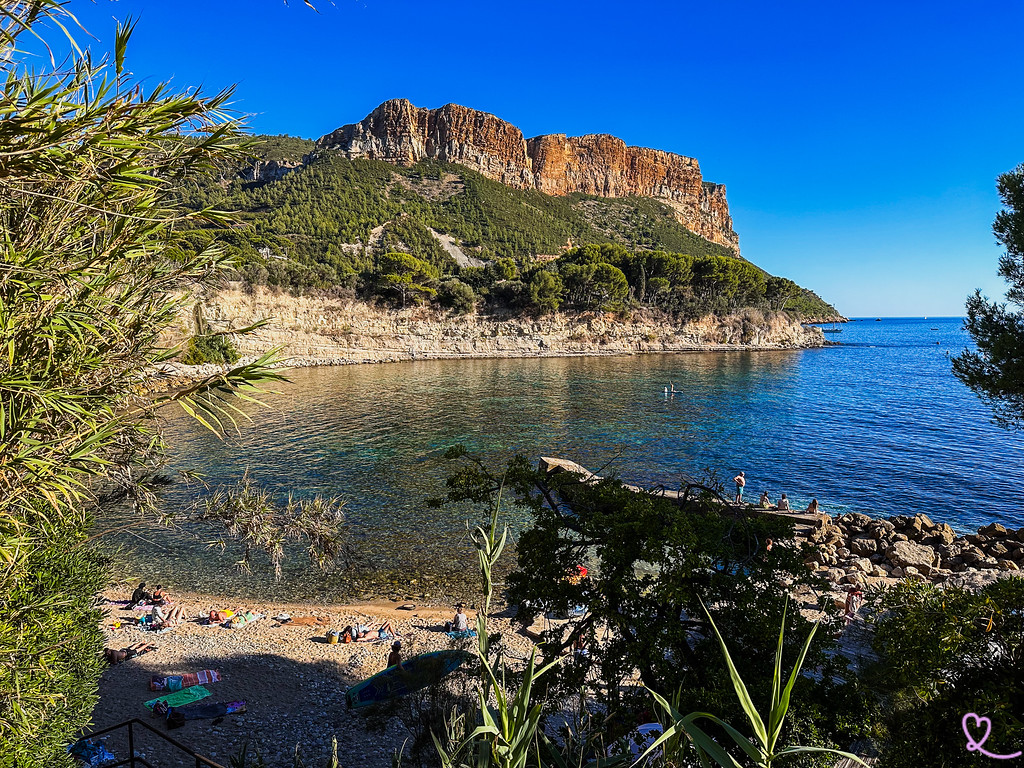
877 424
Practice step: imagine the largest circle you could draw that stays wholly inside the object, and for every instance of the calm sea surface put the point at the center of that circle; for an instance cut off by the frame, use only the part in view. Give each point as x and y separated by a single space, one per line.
877 425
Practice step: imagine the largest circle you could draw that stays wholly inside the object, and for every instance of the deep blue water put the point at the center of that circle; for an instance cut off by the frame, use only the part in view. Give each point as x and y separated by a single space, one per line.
877 425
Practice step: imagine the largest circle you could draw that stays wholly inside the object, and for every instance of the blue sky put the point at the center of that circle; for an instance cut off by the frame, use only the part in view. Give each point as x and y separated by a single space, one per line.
859 142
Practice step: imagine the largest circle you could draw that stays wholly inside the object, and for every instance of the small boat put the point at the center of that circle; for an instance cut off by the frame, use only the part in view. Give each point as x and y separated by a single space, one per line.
414 674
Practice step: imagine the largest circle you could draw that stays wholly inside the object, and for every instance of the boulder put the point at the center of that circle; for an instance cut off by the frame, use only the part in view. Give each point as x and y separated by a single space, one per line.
945 533
997 549
863 565
993 529
971 555
904 553
862 545
924 521
897 572
1008 565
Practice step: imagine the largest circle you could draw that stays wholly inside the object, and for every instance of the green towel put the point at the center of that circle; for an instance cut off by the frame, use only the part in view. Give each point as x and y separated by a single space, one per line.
180 698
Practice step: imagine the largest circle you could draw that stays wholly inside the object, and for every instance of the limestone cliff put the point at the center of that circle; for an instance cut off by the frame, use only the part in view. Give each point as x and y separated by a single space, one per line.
602 165
324 331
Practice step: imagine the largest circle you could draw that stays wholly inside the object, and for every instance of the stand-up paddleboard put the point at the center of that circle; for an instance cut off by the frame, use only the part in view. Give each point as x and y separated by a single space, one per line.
418 672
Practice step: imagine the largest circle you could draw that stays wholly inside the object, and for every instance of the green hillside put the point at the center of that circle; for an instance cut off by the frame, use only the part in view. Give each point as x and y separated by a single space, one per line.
330 223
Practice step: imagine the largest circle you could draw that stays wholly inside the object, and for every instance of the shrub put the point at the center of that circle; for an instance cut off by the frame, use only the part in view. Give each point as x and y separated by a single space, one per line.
215 348
457 296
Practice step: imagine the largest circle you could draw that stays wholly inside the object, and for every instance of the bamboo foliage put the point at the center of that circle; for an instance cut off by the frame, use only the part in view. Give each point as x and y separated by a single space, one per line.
91 170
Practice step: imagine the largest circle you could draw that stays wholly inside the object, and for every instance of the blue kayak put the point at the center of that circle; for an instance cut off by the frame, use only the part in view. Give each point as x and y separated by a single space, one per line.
414 674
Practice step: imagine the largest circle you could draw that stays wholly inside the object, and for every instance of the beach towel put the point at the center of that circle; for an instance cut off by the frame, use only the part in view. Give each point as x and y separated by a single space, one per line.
181 698
243 620
307 621
93 754
207 710
463 635
178 682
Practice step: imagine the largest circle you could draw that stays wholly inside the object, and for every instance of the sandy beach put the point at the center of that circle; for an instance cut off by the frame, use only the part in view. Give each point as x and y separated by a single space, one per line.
292 680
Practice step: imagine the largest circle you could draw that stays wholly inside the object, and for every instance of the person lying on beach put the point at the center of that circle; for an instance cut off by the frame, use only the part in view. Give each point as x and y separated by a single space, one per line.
812 508
115 656
139 596
361 633
783 505
160 618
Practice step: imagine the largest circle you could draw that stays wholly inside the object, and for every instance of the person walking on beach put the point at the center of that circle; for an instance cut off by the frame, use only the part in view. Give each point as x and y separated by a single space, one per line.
741 482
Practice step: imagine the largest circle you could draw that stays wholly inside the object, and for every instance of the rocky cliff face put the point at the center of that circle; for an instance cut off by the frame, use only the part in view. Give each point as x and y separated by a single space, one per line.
323 331
398 132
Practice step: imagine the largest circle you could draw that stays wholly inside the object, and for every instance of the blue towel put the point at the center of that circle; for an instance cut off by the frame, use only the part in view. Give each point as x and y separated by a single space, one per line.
463 635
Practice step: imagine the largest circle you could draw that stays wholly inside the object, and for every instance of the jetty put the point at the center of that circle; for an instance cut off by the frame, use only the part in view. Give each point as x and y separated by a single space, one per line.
805 522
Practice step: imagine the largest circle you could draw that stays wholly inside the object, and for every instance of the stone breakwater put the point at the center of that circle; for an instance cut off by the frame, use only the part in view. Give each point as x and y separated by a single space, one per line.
320 330
850 548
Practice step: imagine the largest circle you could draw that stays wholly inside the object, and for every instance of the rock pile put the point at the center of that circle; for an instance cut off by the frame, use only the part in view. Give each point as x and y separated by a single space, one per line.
853 547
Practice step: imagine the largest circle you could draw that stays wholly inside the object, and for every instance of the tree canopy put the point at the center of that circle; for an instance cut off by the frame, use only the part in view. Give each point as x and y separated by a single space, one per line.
995 371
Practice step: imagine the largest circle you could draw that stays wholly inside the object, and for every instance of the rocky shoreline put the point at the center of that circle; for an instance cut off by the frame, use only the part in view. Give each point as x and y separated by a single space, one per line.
856 549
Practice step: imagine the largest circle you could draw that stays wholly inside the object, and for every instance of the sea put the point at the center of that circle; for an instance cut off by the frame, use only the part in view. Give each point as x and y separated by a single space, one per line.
875 423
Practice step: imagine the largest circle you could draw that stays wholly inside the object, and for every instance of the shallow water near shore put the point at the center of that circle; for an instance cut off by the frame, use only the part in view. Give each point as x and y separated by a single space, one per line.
877 425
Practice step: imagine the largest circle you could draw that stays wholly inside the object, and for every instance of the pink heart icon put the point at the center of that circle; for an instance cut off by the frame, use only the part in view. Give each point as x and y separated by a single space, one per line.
972 745
976 746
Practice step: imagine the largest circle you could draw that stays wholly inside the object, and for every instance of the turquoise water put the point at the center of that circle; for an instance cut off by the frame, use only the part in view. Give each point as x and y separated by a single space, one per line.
876 425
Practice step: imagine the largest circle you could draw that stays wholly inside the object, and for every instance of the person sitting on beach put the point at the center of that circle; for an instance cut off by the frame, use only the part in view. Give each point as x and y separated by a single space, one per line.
783 505
395 657
812 508
139 596
160 597
460 622
361 633
764 501
115 656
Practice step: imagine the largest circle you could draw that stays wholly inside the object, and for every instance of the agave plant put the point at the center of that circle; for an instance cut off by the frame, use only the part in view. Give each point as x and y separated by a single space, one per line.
763 748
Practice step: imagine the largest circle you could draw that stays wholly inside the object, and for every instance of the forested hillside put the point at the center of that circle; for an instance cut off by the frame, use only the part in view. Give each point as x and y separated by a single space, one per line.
445 234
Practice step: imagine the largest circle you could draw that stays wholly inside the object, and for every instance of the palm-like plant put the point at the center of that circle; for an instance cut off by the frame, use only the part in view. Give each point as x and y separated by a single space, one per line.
762 749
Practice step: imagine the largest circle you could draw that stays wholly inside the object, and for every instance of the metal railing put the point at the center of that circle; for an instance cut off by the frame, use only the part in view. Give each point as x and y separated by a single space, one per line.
134 761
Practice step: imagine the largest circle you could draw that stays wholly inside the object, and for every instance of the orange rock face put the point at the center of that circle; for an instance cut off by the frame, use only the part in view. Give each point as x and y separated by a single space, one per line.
598 164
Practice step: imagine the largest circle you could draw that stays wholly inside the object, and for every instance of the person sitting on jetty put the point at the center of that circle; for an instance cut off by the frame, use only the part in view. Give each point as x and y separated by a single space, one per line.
395 657
813 508
115 656
139 596
765 502
783 505
361 633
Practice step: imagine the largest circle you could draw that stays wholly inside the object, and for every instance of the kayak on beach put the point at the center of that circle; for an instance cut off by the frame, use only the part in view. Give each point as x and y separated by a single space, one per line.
412 675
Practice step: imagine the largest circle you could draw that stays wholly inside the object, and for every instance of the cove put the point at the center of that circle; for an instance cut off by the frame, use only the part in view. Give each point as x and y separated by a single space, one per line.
876 425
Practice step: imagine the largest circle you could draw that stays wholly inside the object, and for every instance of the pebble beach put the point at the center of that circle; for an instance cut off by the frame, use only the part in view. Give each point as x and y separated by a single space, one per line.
292 680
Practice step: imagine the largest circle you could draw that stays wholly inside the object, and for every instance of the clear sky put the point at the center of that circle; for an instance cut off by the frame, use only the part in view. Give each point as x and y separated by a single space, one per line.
859 141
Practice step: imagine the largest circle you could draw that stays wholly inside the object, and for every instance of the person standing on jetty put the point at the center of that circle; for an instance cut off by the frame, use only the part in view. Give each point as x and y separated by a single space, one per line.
741 482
